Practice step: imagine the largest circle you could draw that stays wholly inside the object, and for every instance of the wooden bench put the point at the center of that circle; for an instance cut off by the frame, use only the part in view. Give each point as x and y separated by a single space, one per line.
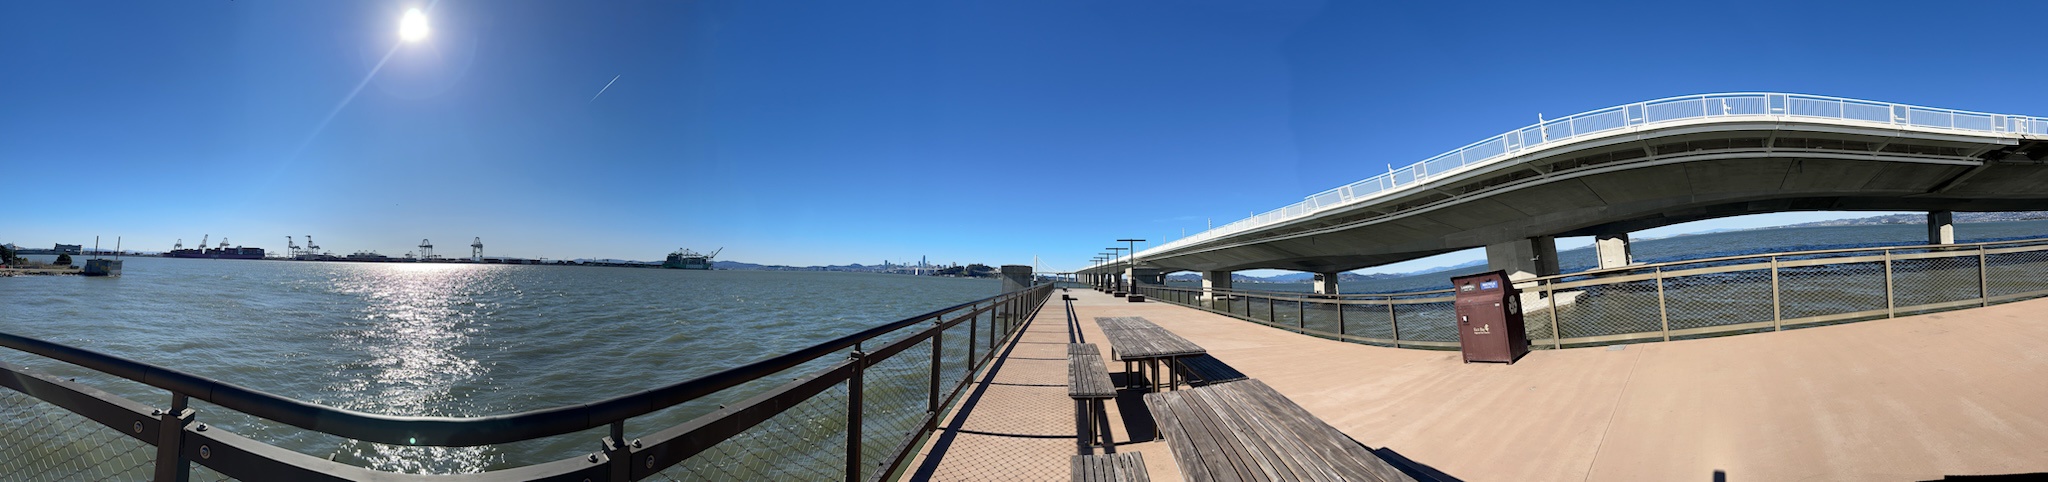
1123 467
1244 430
1089 385
1207 370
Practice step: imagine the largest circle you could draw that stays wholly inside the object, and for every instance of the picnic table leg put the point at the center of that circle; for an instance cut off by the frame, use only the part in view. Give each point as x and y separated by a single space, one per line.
1101 414
1082 424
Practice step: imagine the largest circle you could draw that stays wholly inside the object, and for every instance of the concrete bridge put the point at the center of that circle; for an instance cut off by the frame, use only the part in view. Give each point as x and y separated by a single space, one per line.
1608 172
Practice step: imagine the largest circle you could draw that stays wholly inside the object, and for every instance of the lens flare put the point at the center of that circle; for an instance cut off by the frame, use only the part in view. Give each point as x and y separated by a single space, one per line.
413 27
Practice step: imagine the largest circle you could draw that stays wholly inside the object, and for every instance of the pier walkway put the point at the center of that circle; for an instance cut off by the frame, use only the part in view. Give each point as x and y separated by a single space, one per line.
1913 398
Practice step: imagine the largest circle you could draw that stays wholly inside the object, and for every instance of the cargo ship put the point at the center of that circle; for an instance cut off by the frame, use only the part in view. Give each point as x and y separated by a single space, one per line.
686 259
222 252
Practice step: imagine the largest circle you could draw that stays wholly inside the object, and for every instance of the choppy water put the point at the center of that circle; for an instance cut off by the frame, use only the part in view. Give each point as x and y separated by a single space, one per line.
449 340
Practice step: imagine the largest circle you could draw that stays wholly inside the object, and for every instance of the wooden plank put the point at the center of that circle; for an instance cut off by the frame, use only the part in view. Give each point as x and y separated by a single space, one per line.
1248 431
1087 378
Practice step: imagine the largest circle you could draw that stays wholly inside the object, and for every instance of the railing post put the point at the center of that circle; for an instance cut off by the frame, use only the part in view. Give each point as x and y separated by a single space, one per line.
619 454
1663 315
938 348
1393 322
171 465
1891 309
1777 302
1556 337
1301 314
1983 277
853 413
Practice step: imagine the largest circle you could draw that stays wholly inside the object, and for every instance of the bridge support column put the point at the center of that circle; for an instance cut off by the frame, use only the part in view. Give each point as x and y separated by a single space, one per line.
1015 277
1326 283
1941 227
1524 258
1214 280
1613 250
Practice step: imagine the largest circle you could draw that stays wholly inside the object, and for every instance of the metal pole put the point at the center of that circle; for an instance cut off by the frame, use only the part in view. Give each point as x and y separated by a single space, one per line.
1340 317
973 323
1663 315
1301 314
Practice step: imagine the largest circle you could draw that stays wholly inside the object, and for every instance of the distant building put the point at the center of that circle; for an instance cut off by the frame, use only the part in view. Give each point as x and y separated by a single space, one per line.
69 248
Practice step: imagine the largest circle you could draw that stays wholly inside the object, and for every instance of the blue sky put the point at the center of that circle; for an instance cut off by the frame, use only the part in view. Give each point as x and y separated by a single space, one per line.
838 132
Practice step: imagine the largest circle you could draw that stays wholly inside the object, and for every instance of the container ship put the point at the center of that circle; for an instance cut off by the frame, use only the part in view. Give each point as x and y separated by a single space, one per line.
222 252
686 259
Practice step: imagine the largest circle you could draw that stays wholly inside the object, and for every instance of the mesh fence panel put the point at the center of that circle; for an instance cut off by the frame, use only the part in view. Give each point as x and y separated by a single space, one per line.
1369 321
2014 273
1287 312
807 442
1831 289
1935 280
1427 321
953 366
1718 299
1612 309
1536 318
1261 308
1320 316
894 401
40 441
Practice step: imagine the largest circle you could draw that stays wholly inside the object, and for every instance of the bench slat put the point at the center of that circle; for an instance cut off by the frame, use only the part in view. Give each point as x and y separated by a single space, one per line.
1087 378
1247 431
1123 467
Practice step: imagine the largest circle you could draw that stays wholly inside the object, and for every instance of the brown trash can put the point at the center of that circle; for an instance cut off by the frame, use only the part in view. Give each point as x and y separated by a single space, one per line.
1490 318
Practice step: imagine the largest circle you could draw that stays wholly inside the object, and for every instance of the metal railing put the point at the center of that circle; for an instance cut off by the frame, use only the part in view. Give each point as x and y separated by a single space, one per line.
1733 107
858 418
1675 300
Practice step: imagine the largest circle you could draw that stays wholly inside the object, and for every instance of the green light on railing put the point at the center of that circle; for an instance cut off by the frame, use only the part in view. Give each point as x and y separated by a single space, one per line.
412 441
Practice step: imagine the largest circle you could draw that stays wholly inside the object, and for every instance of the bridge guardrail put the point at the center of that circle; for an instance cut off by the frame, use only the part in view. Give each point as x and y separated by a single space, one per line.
1549 133
1675 300
859 418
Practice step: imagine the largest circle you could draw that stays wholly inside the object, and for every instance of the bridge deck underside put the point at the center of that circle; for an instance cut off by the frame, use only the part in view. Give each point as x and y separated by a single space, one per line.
1560 196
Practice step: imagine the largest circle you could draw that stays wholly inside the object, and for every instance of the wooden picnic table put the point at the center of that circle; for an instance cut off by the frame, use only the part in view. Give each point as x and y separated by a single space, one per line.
1134 339
1246 431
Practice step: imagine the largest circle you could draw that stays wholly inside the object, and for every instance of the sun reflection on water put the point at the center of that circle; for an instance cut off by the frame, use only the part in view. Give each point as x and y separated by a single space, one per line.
415 327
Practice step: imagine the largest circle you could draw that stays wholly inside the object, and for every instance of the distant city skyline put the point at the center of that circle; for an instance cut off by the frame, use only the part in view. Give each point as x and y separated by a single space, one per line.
821 134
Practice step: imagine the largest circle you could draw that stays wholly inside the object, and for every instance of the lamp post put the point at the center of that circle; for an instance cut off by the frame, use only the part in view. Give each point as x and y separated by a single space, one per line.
1096 276
1134 257
1114 254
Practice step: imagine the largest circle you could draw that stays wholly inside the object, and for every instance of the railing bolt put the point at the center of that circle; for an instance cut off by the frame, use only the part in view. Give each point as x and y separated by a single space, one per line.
636 443
138 426
592 458
201 428
205 452
650 462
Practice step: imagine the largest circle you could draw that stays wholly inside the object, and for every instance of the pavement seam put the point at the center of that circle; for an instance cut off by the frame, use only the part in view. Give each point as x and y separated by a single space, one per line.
1611 413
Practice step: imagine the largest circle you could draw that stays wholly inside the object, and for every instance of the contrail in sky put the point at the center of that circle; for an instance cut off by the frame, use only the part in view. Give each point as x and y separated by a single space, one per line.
607 86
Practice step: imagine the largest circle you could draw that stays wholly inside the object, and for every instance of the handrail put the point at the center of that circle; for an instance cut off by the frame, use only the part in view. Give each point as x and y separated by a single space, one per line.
452 431
1624 269
1544 135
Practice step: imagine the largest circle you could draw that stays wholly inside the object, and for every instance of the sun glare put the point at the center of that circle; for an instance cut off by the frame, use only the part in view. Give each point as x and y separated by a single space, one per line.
413 27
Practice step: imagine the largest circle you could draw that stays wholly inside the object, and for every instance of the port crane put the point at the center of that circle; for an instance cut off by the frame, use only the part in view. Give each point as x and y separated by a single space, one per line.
476 250
310 247
426 249
202 241
294 245
178 245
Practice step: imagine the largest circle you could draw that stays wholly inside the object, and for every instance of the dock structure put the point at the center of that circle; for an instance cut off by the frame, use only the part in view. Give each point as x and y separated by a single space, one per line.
1912 398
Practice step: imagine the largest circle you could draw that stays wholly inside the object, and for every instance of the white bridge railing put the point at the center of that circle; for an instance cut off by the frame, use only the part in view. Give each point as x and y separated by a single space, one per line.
1552 132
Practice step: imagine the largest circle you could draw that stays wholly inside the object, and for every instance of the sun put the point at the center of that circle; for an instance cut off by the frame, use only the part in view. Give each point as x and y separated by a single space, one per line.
413 27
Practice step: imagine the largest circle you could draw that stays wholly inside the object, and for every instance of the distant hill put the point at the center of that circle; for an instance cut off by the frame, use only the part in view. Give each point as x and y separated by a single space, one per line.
1922 218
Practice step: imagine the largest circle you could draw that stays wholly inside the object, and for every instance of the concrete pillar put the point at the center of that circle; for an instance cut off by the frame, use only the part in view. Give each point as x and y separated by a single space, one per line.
1524 258
1613 250
1941 227
1326 283
1215 280
1015 277
1148 276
